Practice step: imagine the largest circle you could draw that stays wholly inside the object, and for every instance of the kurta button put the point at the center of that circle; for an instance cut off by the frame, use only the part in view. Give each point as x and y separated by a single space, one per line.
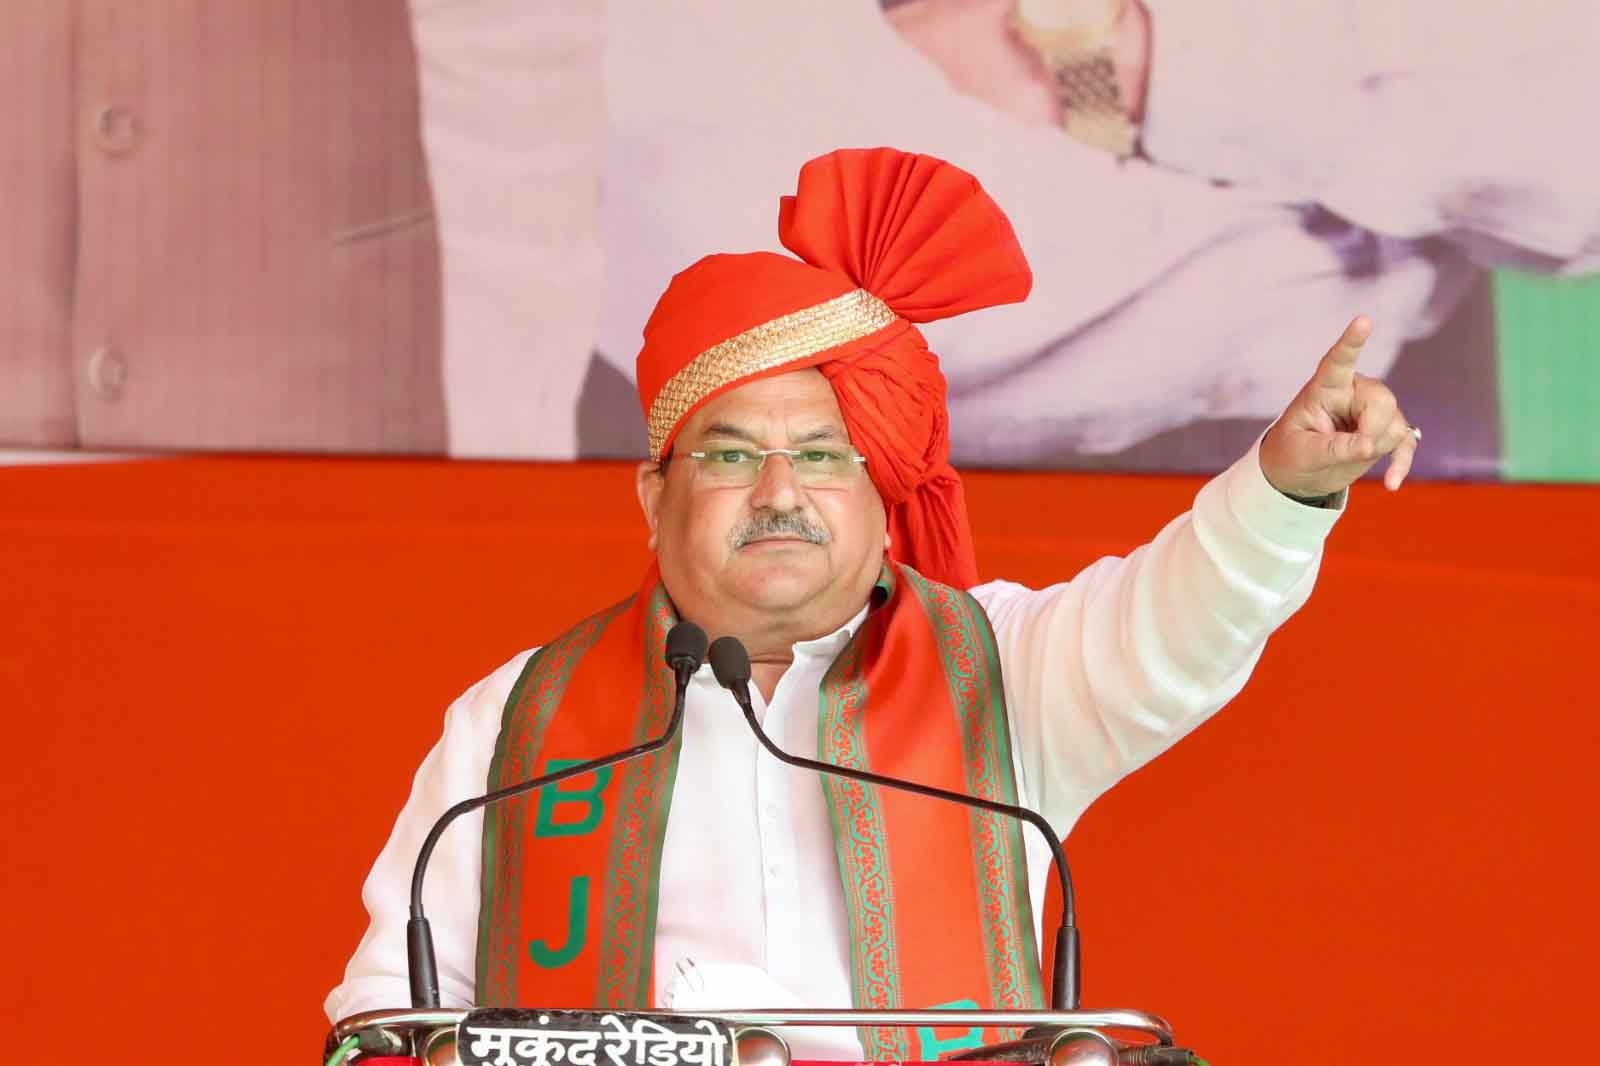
116 130
108 373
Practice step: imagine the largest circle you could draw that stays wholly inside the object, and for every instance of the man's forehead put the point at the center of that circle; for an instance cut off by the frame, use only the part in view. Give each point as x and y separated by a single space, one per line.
799 402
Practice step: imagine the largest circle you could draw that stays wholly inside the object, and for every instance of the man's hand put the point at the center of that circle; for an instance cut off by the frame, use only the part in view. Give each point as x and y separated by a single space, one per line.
971 40
1338 427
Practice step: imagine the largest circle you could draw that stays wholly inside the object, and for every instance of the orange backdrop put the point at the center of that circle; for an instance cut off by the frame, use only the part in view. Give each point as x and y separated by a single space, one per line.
221 673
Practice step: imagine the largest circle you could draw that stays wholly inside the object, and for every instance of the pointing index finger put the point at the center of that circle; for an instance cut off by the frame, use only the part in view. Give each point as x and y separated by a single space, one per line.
1338 368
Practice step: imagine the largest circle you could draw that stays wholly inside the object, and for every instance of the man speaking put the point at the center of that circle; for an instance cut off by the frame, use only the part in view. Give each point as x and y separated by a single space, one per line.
799 497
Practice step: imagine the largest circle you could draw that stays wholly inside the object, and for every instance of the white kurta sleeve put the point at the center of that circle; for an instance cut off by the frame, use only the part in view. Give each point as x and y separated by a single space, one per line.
514 128
1468 122
456 768
1108 670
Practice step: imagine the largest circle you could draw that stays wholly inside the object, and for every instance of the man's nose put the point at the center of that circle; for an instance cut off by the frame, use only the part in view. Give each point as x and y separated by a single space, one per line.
776 486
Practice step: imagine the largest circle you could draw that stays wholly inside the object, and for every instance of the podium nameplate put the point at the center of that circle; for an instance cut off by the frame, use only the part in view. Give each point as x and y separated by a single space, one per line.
504 1036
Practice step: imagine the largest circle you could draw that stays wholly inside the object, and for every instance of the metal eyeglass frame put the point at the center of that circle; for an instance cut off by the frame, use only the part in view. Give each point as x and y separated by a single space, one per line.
762 453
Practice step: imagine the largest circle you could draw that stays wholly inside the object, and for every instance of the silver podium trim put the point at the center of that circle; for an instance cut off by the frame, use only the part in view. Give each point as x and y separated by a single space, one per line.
396 1031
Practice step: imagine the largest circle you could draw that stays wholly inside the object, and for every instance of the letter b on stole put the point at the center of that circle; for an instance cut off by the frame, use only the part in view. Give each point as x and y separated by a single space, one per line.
544 821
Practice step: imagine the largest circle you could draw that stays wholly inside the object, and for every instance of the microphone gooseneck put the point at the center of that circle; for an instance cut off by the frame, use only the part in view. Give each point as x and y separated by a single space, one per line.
731 665
685 649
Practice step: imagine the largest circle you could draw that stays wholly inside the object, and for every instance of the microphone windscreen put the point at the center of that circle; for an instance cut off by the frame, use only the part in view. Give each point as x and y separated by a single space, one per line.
686 646
730 662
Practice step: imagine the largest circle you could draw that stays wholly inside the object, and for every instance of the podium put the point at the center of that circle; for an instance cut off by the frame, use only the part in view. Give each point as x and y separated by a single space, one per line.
534 1037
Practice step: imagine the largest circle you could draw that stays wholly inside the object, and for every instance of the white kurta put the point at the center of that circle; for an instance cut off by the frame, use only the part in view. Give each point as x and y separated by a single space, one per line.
1102 673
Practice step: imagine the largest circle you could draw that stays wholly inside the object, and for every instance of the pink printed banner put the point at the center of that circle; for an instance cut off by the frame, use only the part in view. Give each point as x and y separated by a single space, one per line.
398 261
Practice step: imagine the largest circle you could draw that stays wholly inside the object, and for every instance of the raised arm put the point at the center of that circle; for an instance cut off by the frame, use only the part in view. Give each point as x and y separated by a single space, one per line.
1108 670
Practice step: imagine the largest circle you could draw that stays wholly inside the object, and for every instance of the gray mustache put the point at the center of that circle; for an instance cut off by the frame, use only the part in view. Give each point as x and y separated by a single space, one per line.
777 524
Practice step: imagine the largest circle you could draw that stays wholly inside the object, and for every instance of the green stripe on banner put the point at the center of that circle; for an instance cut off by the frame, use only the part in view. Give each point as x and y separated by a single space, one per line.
1549 344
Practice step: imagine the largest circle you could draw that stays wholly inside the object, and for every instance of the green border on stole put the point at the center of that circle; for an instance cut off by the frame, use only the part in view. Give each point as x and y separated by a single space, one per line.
972 669
856 811
505 824
633 867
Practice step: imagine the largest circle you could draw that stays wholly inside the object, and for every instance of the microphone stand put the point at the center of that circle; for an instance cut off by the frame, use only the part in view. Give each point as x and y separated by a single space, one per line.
1064 978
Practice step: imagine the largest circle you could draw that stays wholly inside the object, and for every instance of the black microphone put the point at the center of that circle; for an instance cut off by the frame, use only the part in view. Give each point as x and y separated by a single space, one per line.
731 663
685 651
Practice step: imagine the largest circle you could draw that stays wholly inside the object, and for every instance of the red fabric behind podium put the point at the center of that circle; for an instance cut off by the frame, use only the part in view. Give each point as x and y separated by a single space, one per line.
219 674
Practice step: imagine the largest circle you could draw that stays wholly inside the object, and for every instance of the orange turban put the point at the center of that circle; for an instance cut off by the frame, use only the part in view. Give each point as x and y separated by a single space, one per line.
885 239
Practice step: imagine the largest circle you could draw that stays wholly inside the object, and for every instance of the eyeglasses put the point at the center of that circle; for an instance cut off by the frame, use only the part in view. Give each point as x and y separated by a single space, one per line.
817 468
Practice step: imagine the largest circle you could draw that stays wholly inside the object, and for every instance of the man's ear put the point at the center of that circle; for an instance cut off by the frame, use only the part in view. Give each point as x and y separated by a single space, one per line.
649 480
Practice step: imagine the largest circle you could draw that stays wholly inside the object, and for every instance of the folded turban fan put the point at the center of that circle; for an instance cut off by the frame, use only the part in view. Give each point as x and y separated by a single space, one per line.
885 239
